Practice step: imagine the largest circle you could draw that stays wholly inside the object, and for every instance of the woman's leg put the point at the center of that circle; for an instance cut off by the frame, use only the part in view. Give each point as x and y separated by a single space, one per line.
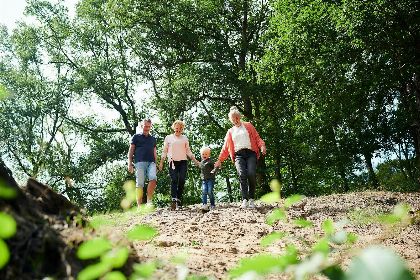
173 173
241 168
251 163
182 174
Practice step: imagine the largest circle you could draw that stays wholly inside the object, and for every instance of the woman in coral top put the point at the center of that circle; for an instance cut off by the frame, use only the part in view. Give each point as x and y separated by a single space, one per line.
176 147
243 145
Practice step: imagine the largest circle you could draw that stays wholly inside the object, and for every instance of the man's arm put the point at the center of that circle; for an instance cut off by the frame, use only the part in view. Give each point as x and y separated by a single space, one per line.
130 158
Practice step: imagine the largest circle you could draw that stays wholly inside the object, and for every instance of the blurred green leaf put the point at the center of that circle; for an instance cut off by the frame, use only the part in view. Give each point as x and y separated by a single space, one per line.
180 258
334 272
142 232
351 238
93 248
114 275
94 271
272 197
328 227
116 257
145 270
302 223
6 192
269 239
262 264
275 185
309 266
7 225
4 254
322 246
339 237
292 200
99 221
378 263
277 214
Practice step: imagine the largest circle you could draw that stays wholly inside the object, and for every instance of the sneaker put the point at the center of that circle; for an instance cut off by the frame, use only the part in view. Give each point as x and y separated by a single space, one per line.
173 205
204 207
212 207
251 203
178 204
244 204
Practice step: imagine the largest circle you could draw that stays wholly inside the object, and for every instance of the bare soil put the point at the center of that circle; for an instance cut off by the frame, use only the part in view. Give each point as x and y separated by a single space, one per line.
214 242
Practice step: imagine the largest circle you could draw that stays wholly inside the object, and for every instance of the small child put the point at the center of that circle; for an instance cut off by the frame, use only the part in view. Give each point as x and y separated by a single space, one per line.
207 177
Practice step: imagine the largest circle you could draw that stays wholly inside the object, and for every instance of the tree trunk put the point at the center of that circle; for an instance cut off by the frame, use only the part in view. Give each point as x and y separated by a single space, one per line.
373 180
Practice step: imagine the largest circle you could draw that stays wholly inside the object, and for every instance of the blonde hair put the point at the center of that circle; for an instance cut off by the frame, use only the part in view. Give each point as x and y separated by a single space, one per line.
178 122
234 111
203 149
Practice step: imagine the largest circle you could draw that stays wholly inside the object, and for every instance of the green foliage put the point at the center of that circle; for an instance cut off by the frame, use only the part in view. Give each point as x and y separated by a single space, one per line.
378 263
93 248
265 264
7 226
114 275
6 192
276 215
142 232
4 253
94 271
117 257
272 237
144 270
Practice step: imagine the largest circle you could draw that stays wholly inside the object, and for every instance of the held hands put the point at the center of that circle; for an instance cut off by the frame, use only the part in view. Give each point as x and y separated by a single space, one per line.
217 164
263 150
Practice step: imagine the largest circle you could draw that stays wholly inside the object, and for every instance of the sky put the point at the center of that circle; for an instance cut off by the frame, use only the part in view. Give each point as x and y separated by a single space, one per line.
11 11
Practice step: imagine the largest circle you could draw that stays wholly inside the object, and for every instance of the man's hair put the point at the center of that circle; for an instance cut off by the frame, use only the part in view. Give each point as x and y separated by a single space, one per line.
145 121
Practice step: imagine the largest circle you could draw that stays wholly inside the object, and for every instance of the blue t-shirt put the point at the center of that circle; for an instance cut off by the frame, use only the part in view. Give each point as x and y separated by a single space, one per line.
145 146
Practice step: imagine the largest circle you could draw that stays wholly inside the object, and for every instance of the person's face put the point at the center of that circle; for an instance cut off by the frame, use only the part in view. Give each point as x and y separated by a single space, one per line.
146 127
235 119
205 154
178 129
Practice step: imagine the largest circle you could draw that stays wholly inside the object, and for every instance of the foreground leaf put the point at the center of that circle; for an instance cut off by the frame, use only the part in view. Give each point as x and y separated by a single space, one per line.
94 271
378 263
93 248
4 254
142 232
7 226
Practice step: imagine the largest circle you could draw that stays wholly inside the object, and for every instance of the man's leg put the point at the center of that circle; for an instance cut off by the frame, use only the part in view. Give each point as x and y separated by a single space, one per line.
151 174
140 176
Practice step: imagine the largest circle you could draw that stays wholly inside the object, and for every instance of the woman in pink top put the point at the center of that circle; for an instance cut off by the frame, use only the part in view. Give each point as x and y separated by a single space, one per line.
176 148
243 145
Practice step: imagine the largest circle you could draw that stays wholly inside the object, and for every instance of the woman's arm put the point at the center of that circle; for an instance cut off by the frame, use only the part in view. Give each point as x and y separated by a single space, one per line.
164 153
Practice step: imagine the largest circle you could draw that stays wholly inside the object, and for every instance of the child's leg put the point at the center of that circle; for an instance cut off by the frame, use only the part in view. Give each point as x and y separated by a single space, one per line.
210 185
204 192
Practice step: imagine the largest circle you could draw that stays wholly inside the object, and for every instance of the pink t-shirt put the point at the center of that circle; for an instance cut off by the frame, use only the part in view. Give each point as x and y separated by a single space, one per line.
176 148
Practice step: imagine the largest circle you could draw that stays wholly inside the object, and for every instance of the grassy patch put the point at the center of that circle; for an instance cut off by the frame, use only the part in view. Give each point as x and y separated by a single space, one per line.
365 216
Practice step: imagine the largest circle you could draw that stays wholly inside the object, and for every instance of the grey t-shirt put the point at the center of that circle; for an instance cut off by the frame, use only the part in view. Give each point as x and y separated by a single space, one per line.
206 166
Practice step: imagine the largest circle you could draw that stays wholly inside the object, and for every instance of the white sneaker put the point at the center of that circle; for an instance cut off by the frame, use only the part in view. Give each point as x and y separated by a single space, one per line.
251 203
244 204
204 207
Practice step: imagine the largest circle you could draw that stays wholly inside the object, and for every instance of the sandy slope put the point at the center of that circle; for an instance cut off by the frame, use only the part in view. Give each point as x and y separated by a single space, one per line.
214 242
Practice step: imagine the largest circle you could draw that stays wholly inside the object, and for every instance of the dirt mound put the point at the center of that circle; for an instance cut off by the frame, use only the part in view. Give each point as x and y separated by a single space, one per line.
215 241
37 249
